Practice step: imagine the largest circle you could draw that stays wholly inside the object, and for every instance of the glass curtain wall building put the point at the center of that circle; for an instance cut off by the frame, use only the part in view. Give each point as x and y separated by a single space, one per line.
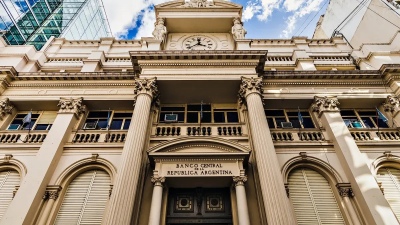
35 21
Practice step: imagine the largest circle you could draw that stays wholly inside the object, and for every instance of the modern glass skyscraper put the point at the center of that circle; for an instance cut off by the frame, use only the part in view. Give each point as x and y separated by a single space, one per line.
35 21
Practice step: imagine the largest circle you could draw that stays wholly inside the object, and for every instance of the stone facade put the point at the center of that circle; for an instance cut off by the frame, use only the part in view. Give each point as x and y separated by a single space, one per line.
155 131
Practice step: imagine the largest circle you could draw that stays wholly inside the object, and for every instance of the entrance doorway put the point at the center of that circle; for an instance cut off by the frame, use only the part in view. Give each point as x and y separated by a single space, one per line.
208 206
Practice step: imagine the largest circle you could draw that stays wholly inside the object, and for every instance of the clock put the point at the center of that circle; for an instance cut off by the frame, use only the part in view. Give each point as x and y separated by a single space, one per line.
199 42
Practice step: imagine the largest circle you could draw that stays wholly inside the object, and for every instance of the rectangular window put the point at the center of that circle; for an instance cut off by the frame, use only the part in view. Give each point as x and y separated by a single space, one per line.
198 113
285 118
103 120
362 119
39 121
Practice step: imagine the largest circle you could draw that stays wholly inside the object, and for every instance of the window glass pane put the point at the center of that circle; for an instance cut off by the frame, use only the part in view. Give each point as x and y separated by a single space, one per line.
119 115
269 112
366 113
219 117
102 123
382 124
172 109
116 124
270 123
347 113
126 124
194 107
295 122
307 123
42 126
232 117
368 123
192 117
206 117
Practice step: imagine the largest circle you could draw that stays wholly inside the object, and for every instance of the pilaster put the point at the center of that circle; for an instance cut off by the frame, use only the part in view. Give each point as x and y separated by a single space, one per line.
122 199
346 192
29 196
364 186
271 181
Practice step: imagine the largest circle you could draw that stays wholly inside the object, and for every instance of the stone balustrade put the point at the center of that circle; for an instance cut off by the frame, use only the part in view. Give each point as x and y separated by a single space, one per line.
22 136
99 136
165 130
297 135
383 134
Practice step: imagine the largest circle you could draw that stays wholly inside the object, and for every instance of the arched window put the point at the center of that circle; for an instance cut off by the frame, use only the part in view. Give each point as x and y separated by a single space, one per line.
312 198
85 199
390 178
8 180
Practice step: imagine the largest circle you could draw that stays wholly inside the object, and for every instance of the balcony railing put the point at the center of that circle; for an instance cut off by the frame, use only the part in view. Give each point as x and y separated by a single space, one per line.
383 134
99 136
279 135
175 130
22 136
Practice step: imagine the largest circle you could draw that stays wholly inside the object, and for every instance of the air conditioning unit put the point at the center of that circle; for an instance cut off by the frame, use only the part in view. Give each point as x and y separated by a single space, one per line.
14 127
169 118
90 126
286 125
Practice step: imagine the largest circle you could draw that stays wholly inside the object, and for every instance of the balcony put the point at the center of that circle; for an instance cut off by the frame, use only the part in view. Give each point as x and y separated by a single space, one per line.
383 134
22 136
292 135
98 136
185 130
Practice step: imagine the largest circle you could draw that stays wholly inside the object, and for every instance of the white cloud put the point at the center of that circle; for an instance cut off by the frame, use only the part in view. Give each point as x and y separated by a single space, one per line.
123 14
304 9
267 7
250 10
292 5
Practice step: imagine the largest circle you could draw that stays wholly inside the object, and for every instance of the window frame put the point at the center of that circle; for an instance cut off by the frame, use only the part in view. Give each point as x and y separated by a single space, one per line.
109 121
360 120
287 117
214 107
32 127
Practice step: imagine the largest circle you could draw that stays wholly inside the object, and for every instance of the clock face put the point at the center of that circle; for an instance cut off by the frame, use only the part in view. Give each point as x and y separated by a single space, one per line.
199 43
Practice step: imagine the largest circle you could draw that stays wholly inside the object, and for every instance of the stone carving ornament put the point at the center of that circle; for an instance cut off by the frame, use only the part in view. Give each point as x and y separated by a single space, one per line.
157 181
325 103
71 105
160 30
238 30
146 86
392 104
198 4
240 180
5 108
250 85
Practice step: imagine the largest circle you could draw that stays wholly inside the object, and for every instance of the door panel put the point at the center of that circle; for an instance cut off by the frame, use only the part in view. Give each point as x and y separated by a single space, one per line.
199 206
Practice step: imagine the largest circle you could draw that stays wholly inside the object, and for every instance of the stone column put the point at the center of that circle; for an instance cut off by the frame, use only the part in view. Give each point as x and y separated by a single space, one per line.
271 181
369 197
392 106
241 200
51 196
346 192
29 196
156 200
122 199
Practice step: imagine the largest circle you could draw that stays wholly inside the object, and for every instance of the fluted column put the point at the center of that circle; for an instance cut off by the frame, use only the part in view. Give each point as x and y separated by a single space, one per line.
271 181
156 200
23 207
122 199
241 200
367 193
51 196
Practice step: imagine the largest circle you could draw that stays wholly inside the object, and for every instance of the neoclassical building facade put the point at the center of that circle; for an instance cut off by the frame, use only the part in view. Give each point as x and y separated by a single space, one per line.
199 125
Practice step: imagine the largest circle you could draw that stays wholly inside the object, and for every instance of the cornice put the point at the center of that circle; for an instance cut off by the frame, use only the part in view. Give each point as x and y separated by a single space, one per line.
56 85
326 83
76 76
318 74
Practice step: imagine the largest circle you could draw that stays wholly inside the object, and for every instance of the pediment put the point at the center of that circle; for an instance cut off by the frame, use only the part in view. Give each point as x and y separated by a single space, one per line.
199 146
183 4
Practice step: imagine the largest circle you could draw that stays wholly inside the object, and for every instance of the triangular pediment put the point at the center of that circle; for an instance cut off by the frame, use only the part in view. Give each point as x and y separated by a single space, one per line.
184 4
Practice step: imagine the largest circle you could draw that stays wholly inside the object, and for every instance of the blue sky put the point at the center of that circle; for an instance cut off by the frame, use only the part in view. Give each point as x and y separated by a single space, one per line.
132 19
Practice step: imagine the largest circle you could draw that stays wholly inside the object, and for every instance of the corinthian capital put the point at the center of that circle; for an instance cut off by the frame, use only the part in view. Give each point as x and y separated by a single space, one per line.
5 108
392 104
249 86
157 180
71 105
325 104
146 86
345 189
52 192
240 180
